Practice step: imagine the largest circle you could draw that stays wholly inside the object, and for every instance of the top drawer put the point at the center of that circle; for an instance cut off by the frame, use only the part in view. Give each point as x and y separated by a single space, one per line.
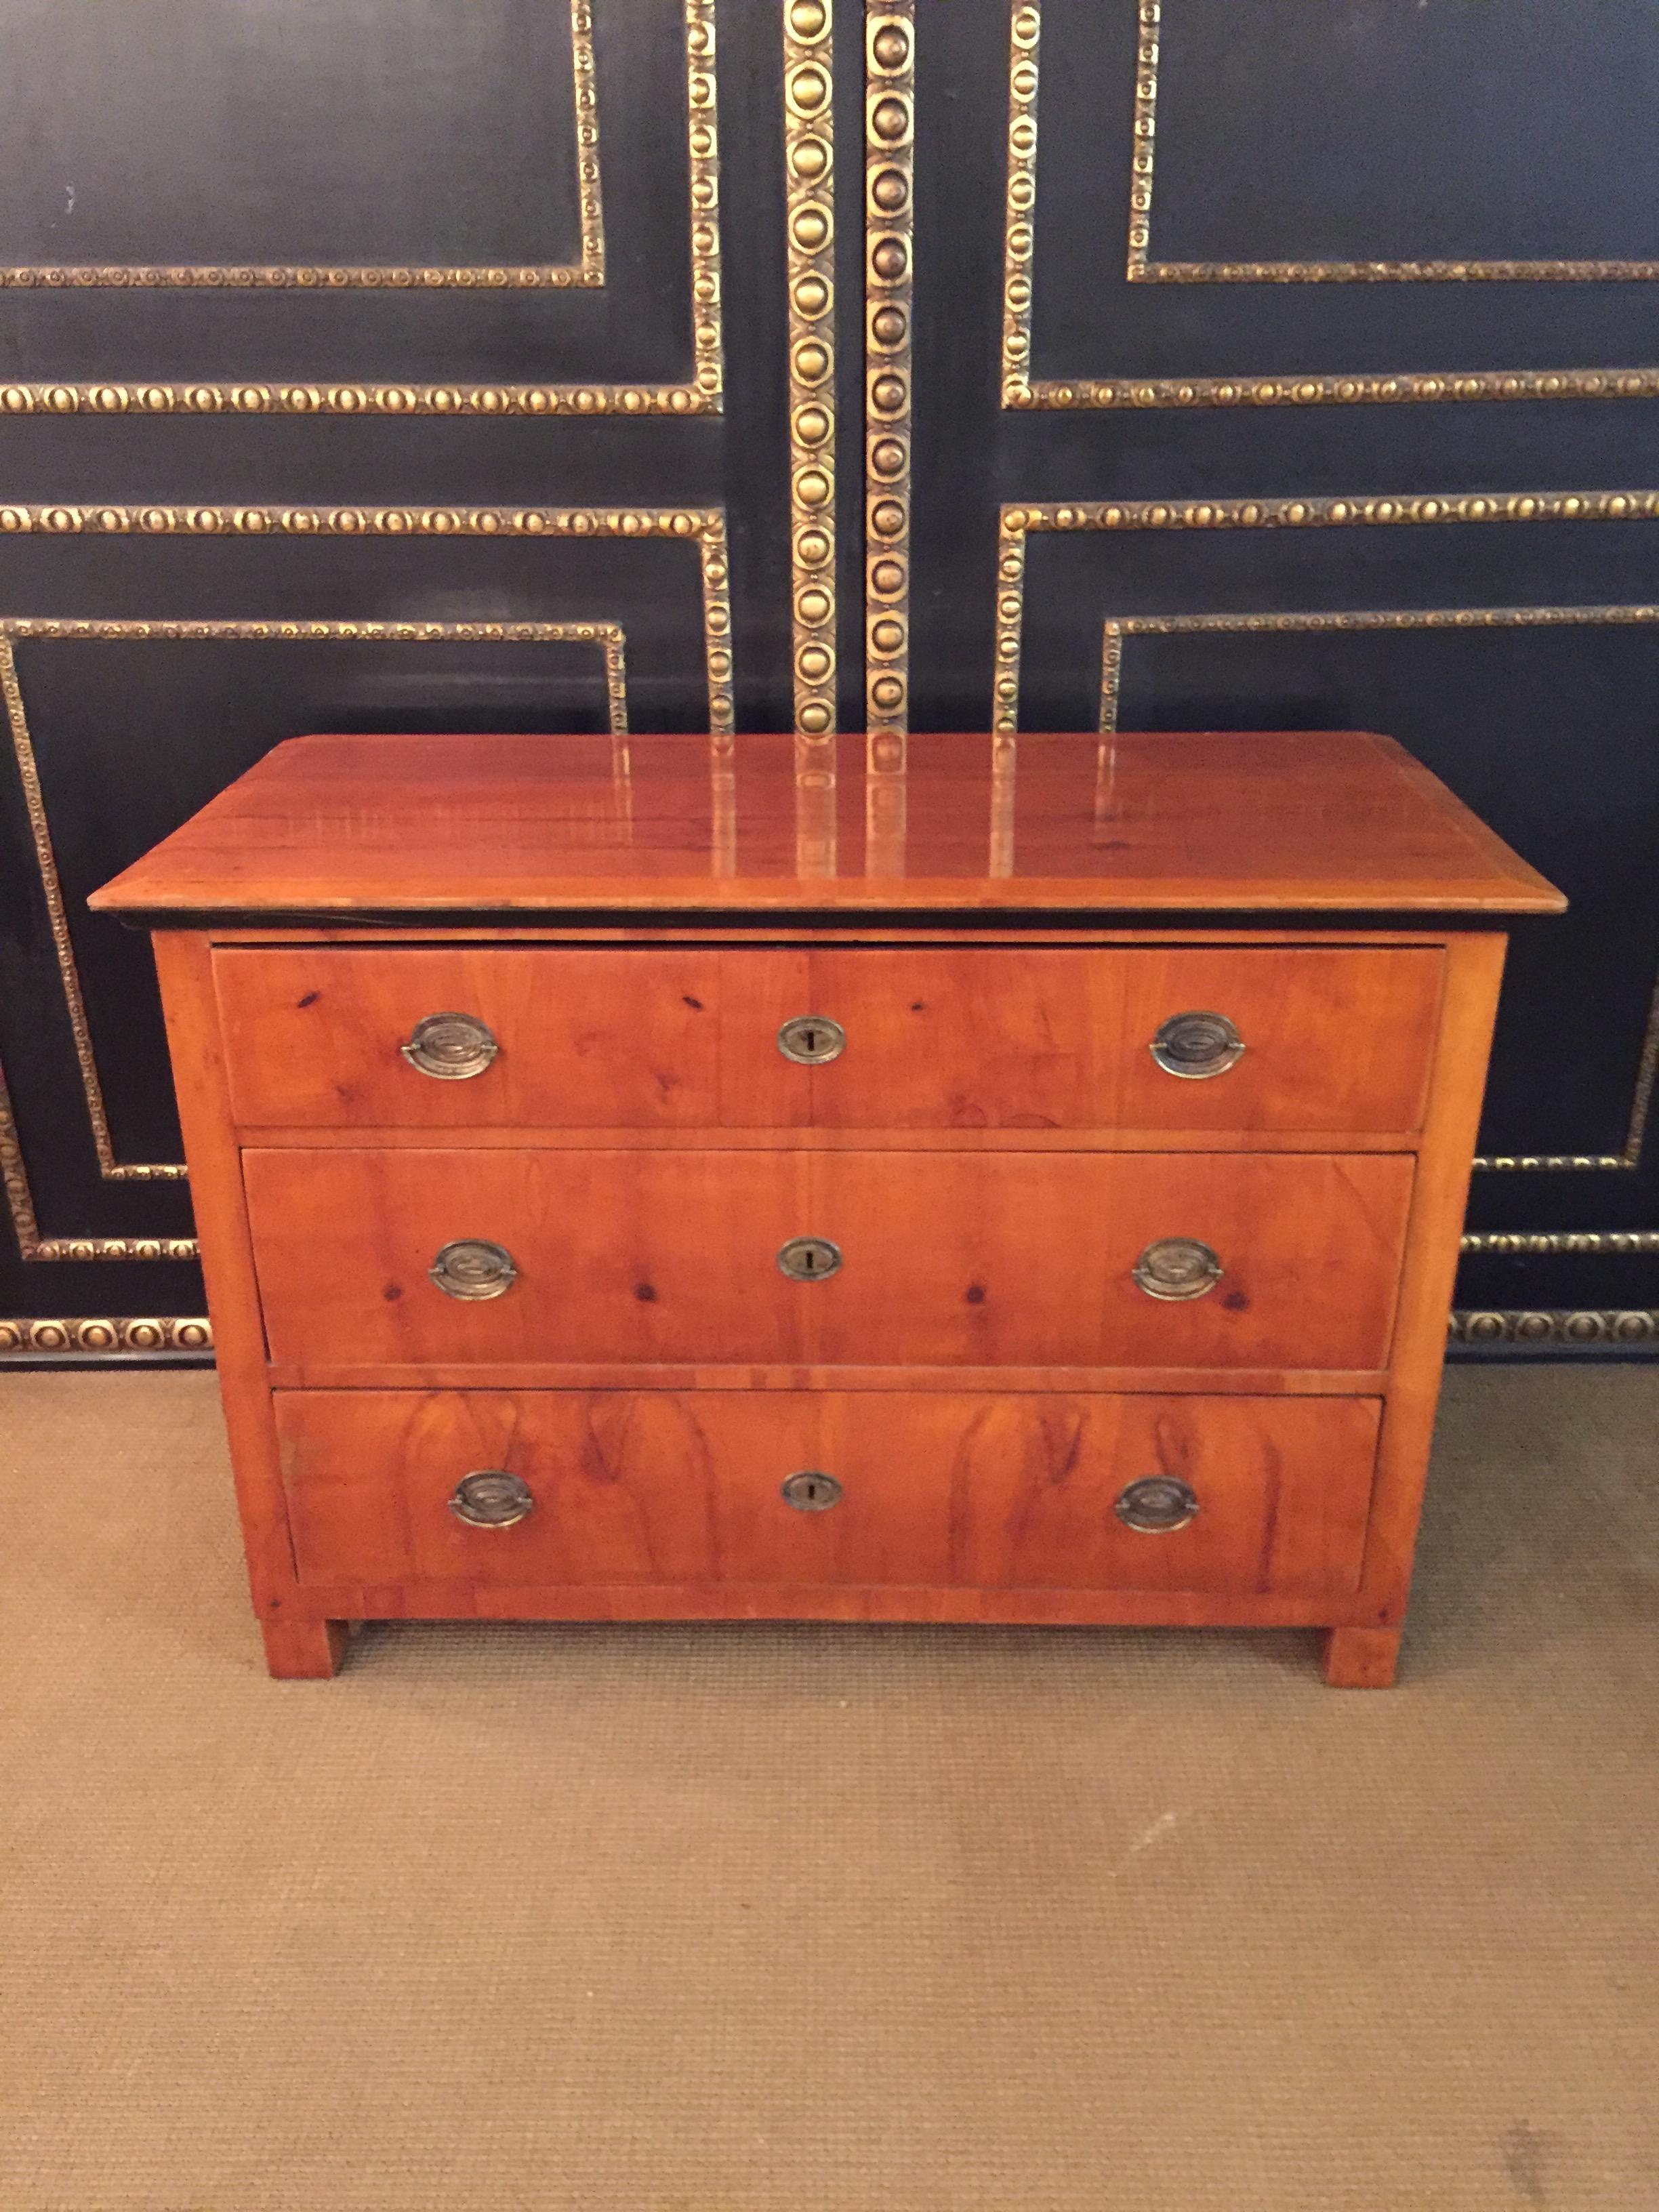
1301 1038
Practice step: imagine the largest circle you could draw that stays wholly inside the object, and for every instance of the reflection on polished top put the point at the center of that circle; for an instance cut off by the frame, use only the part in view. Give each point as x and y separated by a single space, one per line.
1184 821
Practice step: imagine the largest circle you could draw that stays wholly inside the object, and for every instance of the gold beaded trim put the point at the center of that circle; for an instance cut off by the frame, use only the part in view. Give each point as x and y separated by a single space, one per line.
890 226
588 271
703 395
23 1338
1569 1327
1021 390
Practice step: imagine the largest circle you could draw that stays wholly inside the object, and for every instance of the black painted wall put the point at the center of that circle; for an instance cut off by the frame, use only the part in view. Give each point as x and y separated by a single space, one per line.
1358 208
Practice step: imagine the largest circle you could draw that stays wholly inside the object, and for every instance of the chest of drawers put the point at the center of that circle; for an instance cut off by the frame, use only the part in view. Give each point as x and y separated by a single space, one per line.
649 1185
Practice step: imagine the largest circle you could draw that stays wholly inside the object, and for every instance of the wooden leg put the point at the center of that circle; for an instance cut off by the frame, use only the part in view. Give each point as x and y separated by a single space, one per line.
1361 1658
301 1651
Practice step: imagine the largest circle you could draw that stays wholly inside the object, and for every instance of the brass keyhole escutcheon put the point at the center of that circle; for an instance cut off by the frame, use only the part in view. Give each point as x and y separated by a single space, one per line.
1177 1268
451 1047
811 1040
492 1499
808 1259
474 1269
1157 1504
1197 1045
809 1492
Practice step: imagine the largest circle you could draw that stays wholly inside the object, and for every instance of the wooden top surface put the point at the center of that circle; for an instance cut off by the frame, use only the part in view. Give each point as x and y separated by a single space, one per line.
1191 821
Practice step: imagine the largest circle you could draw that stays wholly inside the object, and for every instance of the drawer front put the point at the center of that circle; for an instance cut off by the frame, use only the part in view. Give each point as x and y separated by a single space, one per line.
1245 1495
1336 1039
984 1258
1332 1039
567 1038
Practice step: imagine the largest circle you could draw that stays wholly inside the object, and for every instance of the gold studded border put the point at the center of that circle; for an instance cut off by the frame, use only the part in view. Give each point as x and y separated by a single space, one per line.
889 225
1566 1328
1142 270
95 1338
703 527
703 395
1119 629
1020 391
587 270
809 186
20 1205
1515 1242
608 637
1016 522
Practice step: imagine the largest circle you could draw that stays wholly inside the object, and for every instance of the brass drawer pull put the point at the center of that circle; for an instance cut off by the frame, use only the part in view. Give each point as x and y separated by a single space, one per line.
451 1047
809 1491
1177 1268
810 1040
492 1499
473 1269
1197 1045
1157 1503
808 1259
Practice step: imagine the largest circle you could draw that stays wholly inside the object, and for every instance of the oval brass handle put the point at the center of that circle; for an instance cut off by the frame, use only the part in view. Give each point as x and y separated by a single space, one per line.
808 1259
451 1047
473 1269
809 1492
491 1498
1177 1268
810 1040
1197 1045
1157 1503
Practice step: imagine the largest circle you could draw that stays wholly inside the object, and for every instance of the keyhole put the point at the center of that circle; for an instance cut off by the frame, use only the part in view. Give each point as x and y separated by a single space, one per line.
810 1491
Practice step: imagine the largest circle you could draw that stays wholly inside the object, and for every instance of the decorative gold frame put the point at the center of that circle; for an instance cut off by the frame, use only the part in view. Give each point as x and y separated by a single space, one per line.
1016 522
705 527
587 270
608 637
1021 390
809 162
1120 628
1589 1331
890 135
95 1338
703 395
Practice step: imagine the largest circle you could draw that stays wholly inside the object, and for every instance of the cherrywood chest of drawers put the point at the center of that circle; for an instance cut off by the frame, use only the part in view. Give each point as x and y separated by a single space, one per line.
641 1184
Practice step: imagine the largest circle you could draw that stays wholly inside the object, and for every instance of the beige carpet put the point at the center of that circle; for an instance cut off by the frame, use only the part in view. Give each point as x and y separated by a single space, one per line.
816 1920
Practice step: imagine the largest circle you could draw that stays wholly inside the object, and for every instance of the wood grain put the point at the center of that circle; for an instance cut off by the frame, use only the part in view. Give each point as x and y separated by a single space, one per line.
1303 821
982 1259
677 1038
1474 971
997 1492
946 1038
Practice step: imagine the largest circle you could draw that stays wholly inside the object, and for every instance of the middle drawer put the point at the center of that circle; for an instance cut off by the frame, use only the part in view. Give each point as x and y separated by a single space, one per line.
1031 1259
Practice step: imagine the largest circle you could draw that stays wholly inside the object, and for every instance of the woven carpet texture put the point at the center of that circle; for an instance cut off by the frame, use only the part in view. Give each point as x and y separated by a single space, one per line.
829 1919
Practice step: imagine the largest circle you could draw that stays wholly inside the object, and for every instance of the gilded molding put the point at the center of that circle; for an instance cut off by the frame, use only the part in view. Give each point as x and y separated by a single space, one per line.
32 1245
1141 269
608 637
1515 1242
809 138
92 1337
1017 520
587 271
1588 1330
703 394
889 32
705 527
1021 390
1119 629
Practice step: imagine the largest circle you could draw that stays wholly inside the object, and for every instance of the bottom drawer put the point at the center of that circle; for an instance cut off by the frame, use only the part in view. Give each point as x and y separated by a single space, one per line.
1239 1495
